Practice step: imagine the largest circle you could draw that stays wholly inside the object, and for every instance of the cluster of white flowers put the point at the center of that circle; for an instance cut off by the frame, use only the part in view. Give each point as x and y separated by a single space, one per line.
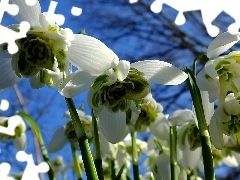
220 77
120 96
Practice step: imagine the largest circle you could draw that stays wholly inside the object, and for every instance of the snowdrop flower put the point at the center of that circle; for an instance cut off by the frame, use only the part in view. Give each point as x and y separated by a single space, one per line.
118 89
221 73
66 134
149 112
13 128
225 120
46 51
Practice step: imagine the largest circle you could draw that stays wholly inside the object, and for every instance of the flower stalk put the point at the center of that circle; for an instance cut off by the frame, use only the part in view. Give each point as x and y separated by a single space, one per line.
77 167
135 156
82 142
34 126
202 125
173 152
97 150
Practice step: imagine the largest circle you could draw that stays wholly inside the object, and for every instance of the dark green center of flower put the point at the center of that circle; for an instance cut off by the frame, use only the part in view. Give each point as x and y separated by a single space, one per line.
18 131
194 137
232 126
35 54
118 96
70 132
146 117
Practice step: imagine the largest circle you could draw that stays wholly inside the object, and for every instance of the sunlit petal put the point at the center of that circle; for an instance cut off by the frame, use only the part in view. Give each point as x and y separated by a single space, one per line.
76 83
216 132
160 128
113 125
122 69
91 55
160 72
221 43
206 83
179 117
27 13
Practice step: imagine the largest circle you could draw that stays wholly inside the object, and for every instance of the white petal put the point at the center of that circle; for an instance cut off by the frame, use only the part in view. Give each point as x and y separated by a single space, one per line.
122 69
35 81
27 13
191 158
221 43
58 141
207 106
162 169
160 72
216 132
160 128
105 146
113 125
210 85
231 105
179 117
76 83
230 161
8 76
91 55
20 143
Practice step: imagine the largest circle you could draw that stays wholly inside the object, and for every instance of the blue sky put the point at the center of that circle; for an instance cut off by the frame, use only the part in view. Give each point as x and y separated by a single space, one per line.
47 105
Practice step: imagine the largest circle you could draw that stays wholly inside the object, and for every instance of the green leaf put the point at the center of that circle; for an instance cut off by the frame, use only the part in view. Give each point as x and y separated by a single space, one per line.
35 128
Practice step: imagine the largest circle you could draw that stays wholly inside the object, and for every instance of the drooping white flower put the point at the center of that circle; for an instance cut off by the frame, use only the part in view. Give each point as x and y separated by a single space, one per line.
225 120
13 128
221 73
66 133
46 51
119 89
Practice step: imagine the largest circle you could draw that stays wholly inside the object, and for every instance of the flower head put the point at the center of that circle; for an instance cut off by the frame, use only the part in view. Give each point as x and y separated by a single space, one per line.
46 51
67 133
221 74
13 128
119 89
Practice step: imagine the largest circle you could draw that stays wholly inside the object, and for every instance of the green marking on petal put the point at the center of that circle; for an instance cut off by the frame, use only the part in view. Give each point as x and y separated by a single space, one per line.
194 137
95 99
232 126
146 117
99 81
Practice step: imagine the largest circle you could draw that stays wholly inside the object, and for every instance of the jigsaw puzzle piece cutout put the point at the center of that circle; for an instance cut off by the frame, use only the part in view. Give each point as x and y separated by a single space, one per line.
9 36
12 9
31 171
58 18
4 169
13 122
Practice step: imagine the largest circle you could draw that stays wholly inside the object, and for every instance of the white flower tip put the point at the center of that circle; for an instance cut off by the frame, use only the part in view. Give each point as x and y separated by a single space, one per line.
221 44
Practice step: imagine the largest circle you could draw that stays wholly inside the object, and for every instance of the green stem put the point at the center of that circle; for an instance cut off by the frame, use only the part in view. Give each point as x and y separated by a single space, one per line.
77 167
203 129
96 146
83 142
135 156
113 171
173 152
34 126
